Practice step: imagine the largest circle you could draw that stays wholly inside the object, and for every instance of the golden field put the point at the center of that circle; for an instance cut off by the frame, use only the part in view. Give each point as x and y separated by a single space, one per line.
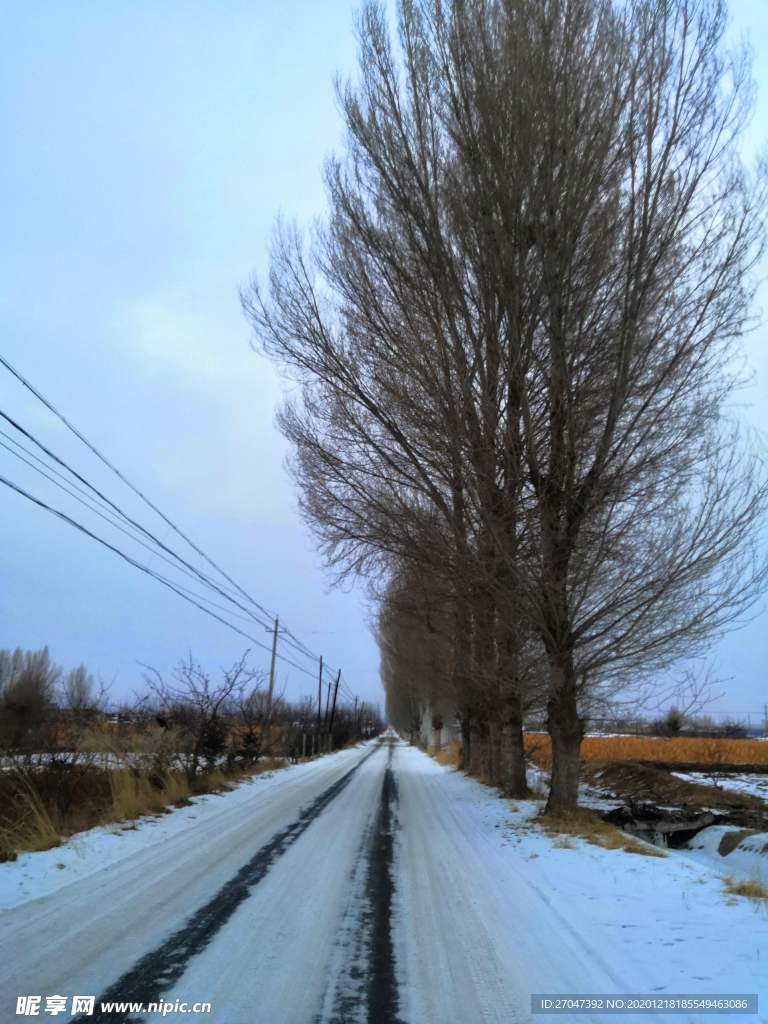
654 748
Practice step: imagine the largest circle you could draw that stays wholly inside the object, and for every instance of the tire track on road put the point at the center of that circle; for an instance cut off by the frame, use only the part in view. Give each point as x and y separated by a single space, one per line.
365 991
157 971
383 1001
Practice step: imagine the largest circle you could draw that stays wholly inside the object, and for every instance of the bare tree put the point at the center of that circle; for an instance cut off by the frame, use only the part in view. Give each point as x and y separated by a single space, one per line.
395 394
417 656
27 698
517 365
77 690
197 706
251 712
640 497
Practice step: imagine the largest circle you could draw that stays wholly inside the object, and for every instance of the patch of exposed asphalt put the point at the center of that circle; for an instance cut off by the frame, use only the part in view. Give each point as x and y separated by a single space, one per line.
159 970
383 1001
363 988
345 998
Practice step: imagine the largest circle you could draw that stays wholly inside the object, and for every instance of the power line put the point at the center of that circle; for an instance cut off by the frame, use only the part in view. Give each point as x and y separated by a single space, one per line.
107 517
102 500
150 572
105 504
188 595
128 483
189 570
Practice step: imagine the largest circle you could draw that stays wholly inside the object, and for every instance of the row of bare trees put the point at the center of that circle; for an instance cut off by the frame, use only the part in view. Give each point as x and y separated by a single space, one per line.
233 716
71 758
516 344
192 718
33 688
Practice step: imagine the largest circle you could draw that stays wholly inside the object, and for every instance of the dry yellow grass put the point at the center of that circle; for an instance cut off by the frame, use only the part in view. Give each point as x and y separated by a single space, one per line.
33 829
751 888
585 824
113 796
654 748
449 755
134 796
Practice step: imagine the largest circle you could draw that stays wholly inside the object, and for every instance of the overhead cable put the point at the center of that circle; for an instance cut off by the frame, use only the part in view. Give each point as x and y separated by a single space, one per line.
150 572
188 570
287 636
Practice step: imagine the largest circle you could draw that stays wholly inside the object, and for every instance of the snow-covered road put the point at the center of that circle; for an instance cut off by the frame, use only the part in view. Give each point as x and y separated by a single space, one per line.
372 886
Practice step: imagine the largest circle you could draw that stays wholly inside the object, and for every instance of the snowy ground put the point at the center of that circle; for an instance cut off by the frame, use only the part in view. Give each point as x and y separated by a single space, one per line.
754 785
584 919
372 885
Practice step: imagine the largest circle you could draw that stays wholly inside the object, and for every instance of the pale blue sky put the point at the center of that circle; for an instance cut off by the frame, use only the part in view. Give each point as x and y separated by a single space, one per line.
147 150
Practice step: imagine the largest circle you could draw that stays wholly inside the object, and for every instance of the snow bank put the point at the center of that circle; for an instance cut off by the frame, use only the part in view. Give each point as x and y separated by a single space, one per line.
732 850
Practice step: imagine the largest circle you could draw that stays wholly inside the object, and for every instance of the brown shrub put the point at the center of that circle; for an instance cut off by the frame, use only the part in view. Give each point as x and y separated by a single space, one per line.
35 816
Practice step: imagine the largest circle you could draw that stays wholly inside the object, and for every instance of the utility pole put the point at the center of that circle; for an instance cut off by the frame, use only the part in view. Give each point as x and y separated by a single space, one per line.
271 687
333 709
320 694
325 719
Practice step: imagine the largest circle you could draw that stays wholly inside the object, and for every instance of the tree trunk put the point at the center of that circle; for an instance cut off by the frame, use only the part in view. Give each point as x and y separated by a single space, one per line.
566 731
486 763
514 782
415 726
494 752
466 744
475 749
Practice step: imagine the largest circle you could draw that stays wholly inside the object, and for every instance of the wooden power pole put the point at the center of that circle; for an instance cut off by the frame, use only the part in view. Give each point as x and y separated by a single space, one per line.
320 694
333 708
271 688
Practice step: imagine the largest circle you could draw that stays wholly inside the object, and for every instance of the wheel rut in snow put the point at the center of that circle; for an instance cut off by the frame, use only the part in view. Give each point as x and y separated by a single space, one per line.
364 988
382 982
160 969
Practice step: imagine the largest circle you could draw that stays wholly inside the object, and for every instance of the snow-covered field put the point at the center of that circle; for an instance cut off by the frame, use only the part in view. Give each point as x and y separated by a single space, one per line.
754 785
403 884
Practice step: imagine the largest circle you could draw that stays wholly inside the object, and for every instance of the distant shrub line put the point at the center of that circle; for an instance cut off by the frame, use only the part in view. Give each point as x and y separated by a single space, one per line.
70 759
